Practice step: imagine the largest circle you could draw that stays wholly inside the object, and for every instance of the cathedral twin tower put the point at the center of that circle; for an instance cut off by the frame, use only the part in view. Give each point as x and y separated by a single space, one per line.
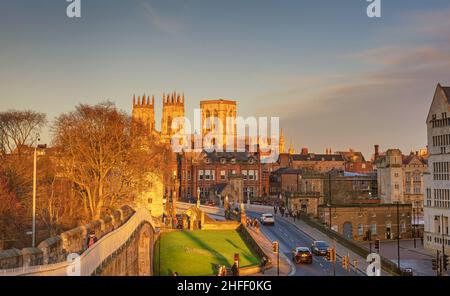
144 112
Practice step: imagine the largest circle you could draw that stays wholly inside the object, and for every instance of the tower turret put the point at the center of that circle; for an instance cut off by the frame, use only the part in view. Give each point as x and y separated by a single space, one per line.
173 107
144 112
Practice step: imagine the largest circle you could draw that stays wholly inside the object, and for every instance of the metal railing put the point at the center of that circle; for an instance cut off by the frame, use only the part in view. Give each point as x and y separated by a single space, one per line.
93 257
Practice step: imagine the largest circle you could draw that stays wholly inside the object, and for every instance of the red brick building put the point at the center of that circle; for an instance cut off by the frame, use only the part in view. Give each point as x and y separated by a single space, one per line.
207 171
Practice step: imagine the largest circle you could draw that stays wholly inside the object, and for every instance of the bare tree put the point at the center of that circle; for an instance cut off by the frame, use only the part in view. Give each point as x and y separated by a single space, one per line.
102 157
19 129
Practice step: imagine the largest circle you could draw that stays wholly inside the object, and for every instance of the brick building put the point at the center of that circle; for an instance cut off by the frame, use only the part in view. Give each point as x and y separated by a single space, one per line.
354 221
205 171
355 162
345 188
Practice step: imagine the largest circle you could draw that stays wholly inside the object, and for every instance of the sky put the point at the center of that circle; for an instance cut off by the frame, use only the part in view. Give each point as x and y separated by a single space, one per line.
335 77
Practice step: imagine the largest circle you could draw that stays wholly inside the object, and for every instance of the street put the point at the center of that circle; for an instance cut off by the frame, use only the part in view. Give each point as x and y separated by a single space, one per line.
289 236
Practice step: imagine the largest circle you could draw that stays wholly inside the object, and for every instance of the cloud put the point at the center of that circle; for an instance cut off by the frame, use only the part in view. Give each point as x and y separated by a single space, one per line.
384 101
165 24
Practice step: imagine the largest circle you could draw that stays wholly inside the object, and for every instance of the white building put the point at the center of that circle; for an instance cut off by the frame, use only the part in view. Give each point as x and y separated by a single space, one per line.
437 181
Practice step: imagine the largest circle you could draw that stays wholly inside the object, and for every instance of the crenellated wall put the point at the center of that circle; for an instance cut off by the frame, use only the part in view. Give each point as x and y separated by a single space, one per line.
56 249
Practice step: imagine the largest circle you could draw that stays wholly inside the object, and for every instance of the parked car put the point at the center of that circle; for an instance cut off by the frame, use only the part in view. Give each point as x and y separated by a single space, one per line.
319 248
302 255
267 219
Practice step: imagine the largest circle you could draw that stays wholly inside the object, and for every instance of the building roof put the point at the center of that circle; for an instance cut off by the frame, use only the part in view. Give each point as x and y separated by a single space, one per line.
447 92
217 101
238 156
317 157
411 157
352 156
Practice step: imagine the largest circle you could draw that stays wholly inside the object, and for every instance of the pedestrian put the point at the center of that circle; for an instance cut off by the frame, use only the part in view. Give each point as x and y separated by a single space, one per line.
235 270
256 226
294 216
263 264
92 239
175 222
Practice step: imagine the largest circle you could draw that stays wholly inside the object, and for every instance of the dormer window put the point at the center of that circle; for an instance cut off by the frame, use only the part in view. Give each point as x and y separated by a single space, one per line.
233 160
223 160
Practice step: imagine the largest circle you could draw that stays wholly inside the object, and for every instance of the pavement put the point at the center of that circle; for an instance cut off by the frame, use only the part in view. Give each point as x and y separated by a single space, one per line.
415 257
286 267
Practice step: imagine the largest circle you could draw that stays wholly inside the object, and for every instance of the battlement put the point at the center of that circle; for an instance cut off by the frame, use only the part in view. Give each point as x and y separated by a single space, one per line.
145 102
173 99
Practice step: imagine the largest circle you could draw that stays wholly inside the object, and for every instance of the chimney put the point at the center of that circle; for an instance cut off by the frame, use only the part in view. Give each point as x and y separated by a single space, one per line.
377 151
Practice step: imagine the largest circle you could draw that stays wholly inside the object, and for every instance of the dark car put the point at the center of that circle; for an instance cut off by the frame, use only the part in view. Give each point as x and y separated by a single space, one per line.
319 248
302 255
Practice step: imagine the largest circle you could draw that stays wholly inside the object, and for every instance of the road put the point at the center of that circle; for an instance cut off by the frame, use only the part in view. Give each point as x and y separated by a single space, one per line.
289 236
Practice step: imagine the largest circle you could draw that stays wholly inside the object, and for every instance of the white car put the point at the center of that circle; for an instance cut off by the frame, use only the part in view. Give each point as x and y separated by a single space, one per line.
267 219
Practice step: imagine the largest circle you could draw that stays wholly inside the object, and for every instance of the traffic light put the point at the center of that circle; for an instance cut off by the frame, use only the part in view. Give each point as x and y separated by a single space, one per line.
434 264
275 247
445 262
333 254
377 244
344 262
329 251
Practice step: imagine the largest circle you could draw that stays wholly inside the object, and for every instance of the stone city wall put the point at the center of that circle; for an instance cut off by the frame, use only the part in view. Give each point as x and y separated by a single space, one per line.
56 249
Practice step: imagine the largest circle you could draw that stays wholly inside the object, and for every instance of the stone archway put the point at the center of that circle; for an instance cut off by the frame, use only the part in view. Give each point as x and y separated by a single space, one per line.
145 252
348 231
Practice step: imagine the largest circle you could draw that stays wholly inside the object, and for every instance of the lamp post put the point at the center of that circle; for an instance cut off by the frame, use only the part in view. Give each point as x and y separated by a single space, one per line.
398 234
33 235
443 245
415 229
33 239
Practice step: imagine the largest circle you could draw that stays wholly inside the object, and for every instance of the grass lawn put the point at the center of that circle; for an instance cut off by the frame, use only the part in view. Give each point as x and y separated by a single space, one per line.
194 253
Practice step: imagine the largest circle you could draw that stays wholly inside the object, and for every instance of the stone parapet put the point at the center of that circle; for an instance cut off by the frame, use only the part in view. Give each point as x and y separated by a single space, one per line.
55 249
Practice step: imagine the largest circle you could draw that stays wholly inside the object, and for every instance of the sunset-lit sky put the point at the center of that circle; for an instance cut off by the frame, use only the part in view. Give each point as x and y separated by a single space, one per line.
334 76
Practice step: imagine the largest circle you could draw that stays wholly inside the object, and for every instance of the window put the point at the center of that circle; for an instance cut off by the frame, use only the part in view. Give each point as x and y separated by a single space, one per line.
402 227
200 174
396 186
373 228
189 175
251 175
360 229
222 175
244 172
207 174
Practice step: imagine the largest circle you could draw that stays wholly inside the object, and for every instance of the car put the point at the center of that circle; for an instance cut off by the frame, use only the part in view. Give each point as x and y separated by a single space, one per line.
319 248
267 219
302 255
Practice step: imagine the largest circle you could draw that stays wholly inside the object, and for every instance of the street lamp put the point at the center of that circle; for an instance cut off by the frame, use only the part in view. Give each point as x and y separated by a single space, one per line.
33 238
398 234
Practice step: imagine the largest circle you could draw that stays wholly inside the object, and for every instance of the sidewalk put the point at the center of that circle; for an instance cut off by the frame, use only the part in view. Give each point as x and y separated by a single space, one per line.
266 245
315 234
418 258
